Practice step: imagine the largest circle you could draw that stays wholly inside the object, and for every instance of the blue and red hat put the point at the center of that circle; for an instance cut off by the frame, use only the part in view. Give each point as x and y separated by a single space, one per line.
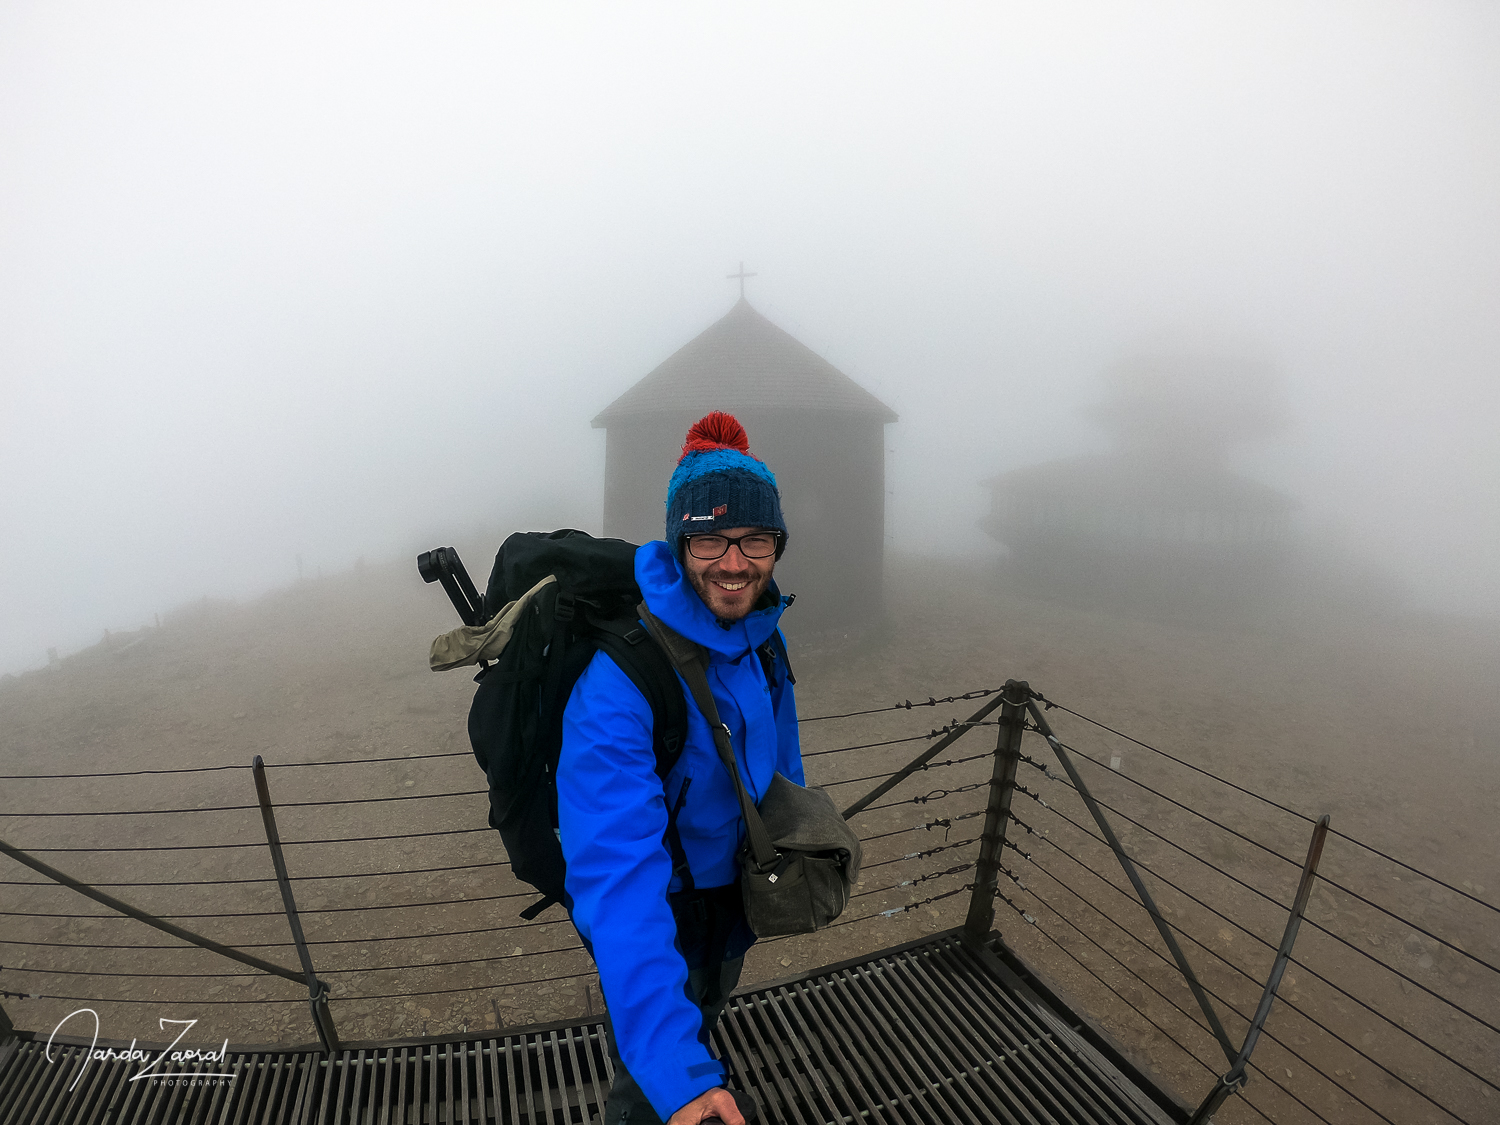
718 484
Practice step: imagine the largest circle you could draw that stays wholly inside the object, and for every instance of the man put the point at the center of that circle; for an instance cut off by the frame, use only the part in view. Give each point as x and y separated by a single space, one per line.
654 896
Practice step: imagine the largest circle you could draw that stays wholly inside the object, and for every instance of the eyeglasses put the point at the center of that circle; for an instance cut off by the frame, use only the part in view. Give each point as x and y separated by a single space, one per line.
757 545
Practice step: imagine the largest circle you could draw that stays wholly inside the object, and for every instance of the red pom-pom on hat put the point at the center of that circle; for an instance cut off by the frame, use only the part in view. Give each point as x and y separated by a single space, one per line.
716 430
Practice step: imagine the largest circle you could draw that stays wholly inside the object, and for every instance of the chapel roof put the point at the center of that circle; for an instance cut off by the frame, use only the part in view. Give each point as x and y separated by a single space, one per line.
744 361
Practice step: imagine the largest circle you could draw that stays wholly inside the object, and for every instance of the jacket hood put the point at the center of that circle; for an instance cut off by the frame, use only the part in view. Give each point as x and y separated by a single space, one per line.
671 597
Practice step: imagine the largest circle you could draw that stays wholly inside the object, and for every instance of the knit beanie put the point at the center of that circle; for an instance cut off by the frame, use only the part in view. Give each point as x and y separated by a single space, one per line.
719 485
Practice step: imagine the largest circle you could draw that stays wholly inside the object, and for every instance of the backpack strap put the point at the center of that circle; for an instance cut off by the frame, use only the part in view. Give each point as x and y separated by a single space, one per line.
773 649
563 610
631 647
648 668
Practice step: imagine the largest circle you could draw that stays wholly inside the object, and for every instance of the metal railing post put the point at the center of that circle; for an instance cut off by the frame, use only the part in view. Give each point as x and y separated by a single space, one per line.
317 990
997 810
1233 1081
1215 1025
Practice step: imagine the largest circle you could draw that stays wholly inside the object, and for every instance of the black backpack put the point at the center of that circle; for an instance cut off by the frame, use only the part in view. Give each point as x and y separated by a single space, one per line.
515 722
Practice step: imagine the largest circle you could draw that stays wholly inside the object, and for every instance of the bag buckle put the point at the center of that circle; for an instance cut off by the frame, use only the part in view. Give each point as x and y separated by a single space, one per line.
786 859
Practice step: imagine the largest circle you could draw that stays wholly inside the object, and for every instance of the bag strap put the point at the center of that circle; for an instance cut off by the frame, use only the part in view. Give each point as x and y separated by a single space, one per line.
775 646
646 665
691 662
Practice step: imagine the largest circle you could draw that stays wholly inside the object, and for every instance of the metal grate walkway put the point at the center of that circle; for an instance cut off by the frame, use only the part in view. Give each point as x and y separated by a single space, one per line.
929 1033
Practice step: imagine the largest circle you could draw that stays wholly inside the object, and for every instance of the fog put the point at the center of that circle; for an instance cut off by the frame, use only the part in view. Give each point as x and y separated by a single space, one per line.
322 283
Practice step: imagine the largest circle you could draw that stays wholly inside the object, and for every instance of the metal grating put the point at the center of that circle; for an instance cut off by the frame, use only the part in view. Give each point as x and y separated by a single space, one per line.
554 1076
929 1033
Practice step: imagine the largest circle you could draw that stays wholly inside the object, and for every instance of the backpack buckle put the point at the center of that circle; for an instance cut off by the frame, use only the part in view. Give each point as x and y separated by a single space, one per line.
564 608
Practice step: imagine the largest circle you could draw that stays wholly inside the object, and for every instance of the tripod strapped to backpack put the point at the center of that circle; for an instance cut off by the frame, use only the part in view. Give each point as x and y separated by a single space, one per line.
442 564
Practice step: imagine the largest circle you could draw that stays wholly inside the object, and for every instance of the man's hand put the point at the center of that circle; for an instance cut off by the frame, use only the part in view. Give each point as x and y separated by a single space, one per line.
717 1103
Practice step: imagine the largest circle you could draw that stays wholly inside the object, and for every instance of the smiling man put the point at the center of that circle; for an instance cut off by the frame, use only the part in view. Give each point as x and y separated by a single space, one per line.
730 572
651 860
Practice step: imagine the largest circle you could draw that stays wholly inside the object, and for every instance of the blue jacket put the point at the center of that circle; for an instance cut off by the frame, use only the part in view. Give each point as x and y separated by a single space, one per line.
612 814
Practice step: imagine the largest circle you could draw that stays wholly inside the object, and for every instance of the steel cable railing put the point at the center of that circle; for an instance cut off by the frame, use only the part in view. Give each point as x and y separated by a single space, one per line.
865 746
282 914
1138 783
486 930
1458 1010
1189 1052
423 940
1281 905
1192 1017
147 848
1273 804
217 769
1285 858
907 876
1433 1094
252 808
906 705
462 962
922 768
1287 1003
268 879
1236 969
944 822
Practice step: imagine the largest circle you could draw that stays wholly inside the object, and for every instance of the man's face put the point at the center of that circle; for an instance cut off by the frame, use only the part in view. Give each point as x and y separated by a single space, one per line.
731 584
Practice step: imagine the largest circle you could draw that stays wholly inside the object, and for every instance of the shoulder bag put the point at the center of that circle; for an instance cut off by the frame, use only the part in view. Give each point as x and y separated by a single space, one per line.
800 858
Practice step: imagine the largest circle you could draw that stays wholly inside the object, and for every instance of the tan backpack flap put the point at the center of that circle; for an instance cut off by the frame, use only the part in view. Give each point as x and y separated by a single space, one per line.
469 644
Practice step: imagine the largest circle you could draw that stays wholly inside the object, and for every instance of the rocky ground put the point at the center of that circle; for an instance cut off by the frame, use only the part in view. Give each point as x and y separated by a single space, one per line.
1388 721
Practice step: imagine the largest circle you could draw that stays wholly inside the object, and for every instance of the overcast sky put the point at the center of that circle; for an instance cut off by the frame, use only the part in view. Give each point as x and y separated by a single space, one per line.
341 281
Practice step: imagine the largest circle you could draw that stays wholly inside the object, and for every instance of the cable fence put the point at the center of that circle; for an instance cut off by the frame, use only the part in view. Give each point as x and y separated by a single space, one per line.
402 889
1388 1009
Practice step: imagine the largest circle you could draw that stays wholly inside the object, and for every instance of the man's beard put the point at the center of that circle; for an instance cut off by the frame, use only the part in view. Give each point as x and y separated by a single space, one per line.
711 595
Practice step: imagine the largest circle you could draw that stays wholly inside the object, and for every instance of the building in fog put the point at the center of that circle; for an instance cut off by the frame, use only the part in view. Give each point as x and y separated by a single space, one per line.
1162 516
1123 522
822 434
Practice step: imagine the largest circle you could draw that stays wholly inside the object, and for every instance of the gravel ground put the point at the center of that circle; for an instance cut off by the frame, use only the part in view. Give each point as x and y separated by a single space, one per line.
1390 723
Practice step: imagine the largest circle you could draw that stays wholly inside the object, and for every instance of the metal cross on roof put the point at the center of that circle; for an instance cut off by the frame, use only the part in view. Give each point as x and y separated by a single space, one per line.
741 275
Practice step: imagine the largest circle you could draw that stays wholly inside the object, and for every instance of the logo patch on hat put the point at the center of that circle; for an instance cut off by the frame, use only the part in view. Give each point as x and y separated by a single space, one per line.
721 510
